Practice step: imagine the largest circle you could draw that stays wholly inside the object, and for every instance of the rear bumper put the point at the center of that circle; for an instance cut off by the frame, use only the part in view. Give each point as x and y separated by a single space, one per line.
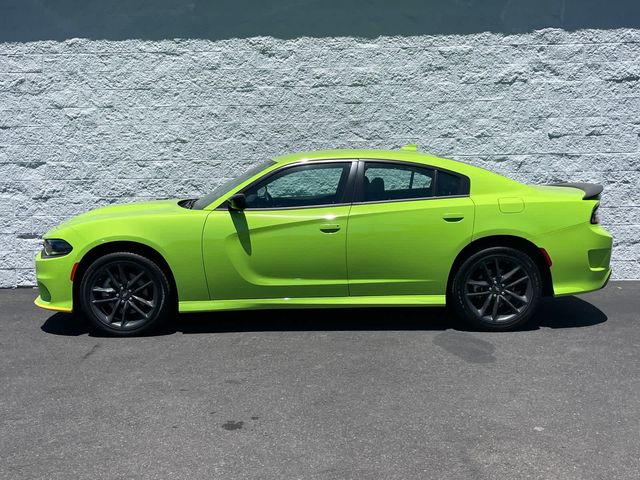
595 282
581 257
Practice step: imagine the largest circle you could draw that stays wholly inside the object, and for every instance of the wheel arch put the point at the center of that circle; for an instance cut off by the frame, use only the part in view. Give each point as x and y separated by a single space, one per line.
121 246
512 241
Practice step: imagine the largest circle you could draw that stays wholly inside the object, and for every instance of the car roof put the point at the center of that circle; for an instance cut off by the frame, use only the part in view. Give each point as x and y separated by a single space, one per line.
403 155
483 181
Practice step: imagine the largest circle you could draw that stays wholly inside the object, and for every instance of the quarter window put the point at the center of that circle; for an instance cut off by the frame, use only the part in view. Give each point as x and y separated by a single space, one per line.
301 186
450 184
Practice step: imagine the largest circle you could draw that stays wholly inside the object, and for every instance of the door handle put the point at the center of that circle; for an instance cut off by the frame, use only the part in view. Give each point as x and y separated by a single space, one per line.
329 227
452 217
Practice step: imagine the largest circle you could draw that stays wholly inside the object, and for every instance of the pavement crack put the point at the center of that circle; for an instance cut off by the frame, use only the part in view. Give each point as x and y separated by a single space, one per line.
91 352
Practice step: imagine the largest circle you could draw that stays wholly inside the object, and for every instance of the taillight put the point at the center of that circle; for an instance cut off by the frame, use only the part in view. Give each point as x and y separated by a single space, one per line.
594 216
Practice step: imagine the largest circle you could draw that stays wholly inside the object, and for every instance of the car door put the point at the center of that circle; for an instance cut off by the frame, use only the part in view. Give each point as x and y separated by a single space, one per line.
290 241
406 226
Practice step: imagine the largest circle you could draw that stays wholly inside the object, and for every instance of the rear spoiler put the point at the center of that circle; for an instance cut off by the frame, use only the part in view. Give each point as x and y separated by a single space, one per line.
591 191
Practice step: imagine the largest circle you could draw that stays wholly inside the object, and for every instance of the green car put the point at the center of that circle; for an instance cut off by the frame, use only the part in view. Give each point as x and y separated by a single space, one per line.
336 228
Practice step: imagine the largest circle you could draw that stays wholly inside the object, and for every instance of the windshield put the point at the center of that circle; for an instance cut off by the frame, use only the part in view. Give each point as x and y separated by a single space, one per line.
230 184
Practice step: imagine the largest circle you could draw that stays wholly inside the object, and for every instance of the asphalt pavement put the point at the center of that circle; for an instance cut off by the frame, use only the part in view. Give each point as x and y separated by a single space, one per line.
387 393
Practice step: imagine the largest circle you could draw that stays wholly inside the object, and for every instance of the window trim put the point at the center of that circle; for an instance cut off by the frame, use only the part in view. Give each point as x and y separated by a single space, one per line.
358 197
347 194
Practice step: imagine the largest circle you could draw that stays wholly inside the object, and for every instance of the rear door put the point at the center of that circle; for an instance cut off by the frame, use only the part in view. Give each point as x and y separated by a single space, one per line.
406 226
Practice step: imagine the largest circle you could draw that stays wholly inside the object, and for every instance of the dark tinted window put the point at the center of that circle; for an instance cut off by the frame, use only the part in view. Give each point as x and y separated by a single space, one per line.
300 186
396 182
450 184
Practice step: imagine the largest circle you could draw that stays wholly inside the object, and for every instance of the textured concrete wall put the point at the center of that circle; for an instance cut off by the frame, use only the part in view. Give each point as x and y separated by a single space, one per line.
86 123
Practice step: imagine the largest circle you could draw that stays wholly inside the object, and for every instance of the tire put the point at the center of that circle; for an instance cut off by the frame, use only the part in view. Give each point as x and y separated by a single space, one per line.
497 289
124 294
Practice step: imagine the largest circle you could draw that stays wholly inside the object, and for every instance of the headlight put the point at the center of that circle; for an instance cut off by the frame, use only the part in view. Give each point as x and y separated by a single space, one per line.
55 247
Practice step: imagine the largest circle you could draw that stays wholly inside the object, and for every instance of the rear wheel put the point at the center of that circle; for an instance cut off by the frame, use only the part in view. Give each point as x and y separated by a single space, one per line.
496 289
124 294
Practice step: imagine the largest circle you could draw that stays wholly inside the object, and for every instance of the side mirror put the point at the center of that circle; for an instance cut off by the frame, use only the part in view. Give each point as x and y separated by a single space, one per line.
237 202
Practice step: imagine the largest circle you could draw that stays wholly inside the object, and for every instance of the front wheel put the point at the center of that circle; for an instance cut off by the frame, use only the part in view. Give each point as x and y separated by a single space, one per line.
124 294
497 289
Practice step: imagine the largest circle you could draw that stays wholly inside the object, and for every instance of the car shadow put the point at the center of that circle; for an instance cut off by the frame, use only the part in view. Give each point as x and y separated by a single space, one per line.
566 312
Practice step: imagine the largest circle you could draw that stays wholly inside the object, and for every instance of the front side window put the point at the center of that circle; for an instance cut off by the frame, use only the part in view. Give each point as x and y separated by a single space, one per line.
301 186
202 202
396 182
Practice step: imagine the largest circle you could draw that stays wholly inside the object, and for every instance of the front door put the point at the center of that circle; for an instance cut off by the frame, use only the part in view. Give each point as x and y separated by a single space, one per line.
289 242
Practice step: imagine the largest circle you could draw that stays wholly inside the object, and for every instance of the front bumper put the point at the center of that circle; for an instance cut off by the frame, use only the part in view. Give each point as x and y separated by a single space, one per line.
39 302
54 283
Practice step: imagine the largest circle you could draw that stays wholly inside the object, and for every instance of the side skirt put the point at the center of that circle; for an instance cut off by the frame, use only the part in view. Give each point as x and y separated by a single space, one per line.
320 302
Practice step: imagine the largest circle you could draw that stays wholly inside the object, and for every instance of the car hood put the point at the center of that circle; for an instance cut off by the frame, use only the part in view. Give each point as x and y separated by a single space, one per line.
124 210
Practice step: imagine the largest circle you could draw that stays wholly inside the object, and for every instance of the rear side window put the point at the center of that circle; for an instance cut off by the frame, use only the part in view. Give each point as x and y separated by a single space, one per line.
396 182
399 181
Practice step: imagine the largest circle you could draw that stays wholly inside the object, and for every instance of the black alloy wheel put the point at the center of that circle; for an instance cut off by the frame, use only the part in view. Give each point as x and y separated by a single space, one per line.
497 289
124 294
